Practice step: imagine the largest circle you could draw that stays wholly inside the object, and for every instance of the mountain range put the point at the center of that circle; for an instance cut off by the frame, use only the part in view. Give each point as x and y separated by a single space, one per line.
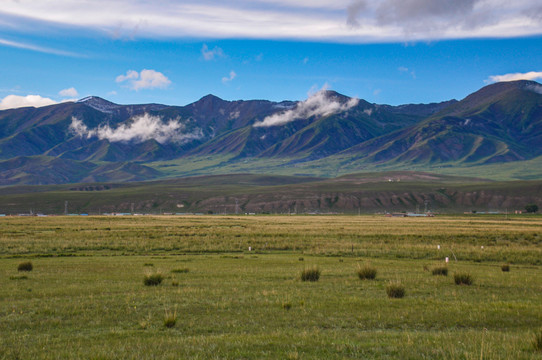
94 140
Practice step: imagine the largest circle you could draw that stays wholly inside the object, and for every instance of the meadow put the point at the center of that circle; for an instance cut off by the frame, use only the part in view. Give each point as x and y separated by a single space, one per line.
85 295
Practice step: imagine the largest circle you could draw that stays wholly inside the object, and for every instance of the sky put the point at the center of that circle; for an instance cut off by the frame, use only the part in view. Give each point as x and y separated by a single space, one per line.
175 52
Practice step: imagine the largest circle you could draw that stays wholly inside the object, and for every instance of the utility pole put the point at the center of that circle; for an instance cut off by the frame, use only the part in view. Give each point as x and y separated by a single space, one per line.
66 207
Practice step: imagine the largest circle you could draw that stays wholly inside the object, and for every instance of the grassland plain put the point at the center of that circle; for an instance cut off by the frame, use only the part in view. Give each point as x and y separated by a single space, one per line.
85 296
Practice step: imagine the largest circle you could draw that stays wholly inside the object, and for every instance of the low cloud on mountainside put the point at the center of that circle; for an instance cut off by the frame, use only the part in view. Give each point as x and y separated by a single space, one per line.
143 128
318 104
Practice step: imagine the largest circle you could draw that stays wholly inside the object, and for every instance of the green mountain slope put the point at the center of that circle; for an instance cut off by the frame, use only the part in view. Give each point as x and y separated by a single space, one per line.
328 134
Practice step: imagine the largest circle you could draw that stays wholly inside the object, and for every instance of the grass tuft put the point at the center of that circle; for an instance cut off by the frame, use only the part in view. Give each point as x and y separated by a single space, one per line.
25 266
20 277
537 341
505 267
153 279
180 271
310 274
366 272
440 270
170 319
286 305
463 279
395 290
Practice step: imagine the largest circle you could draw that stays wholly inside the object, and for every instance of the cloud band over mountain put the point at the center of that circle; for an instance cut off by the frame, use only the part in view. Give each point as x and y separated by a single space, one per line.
318 104
142 128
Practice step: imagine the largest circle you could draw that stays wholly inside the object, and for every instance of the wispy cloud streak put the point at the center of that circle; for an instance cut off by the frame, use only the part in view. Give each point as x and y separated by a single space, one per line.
342 20
20 45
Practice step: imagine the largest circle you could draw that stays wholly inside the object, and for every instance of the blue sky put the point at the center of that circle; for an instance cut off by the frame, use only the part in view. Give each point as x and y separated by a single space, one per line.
175 52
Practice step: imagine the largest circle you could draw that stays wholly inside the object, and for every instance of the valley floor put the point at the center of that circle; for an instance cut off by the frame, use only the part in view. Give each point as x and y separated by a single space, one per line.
85 296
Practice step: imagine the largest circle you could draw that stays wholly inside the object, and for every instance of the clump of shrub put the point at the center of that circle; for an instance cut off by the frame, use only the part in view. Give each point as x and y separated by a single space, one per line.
440 270
25 266
366 272
153 279
463 279
170 319
287 305
301 259
395 290
505 267
310 274
180 271
148 264
537 341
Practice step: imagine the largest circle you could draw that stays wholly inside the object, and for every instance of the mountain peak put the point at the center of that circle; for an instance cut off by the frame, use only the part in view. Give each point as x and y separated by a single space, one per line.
507 86
210 98
94 99
332 94
99 104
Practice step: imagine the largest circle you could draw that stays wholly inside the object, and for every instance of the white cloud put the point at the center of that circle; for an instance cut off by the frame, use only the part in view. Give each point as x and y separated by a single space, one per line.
130 75
146 79
16 101
318 104
404 69
343 20
142 128
71 92
208 54
227 79
531 75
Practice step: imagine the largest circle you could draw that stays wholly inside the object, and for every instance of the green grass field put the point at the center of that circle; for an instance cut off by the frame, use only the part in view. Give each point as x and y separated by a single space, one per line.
85 296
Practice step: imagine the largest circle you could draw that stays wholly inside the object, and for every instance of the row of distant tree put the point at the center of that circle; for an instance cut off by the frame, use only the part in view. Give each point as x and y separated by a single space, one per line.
531 208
